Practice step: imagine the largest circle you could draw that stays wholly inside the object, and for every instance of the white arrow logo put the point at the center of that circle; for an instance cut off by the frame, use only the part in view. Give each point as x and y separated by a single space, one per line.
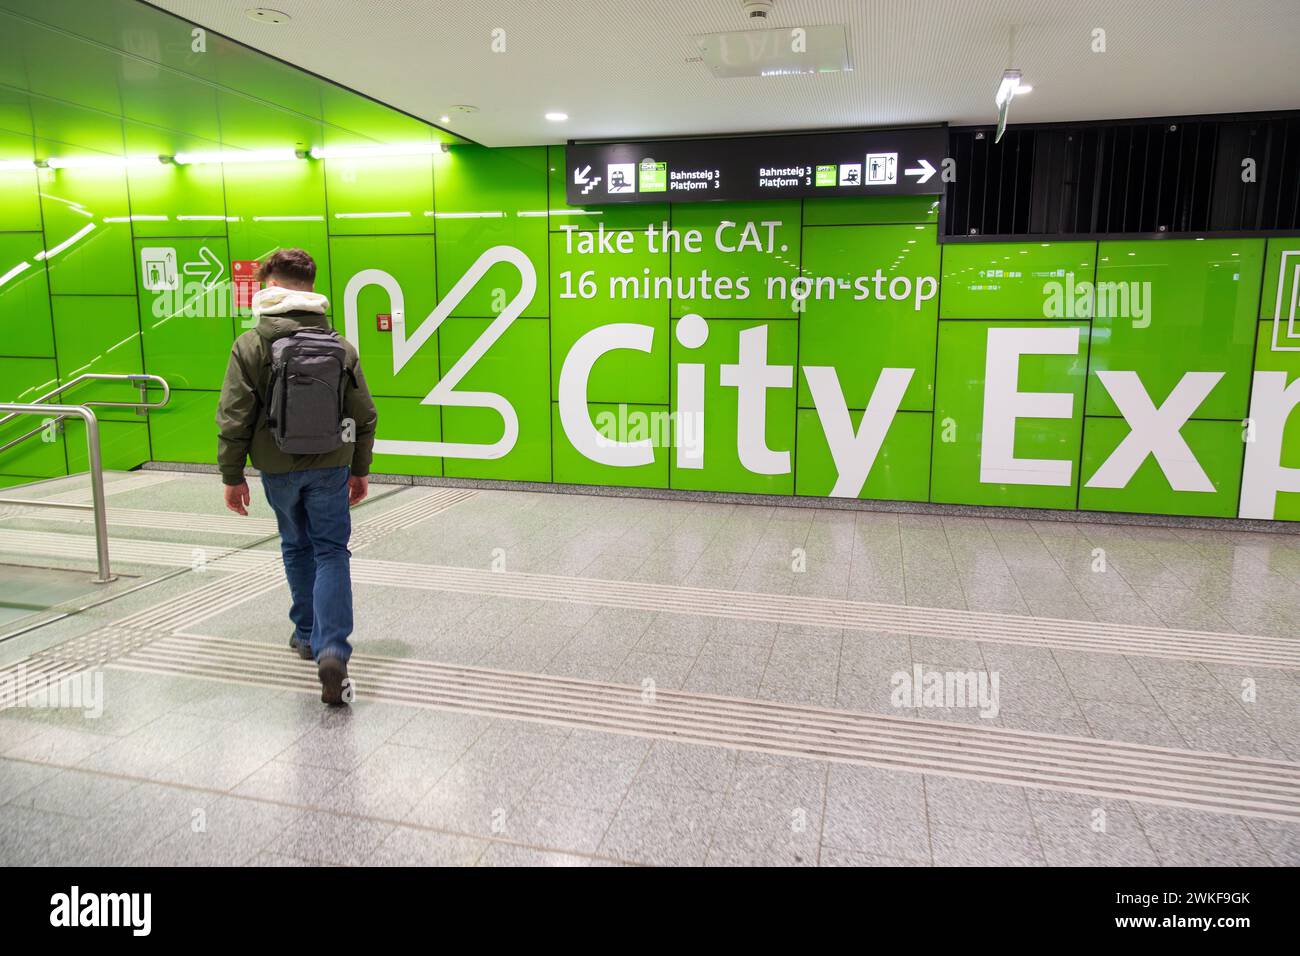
580 179
924 171
444 392
208 267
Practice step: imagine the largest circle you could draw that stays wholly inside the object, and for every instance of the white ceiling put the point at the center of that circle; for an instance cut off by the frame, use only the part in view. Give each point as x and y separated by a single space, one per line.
623 68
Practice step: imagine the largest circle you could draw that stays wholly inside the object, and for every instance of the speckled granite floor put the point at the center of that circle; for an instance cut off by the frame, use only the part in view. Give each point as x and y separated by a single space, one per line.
574 680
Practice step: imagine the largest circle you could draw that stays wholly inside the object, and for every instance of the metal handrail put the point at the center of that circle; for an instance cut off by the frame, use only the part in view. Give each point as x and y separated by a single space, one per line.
96 474
141 381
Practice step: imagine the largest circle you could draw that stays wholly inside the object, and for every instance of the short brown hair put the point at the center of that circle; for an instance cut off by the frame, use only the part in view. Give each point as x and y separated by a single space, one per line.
292 264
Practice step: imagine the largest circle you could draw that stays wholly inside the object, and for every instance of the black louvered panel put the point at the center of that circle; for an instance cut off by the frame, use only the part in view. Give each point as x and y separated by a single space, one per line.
1144 177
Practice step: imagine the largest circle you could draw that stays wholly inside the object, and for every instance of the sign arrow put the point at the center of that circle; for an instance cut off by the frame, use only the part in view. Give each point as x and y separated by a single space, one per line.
923 172
208 267
580 176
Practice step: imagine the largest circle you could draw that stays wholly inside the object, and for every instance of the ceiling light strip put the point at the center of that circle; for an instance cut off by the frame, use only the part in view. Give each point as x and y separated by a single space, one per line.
229 156
102 162
373 152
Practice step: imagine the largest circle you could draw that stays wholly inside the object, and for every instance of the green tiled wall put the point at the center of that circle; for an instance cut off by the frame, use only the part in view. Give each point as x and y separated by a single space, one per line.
901 383
425 220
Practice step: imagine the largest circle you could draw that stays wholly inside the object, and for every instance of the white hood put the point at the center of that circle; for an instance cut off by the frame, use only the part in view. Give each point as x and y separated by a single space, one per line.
274 300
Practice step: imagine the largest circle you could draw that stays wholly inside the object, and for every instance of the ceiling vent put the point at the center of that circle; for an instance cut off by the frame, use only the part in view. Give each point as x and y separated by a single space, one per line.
267 15
784 51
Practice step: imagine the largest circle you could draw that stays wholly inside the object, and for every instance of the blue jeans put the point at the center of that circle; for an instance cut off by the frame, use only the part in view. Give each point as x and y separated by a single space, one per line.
311 508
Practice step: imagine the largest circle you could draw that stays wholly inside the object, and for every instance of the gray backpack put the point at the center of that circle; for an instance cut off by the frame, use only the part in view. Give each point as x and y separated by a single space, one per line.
304 403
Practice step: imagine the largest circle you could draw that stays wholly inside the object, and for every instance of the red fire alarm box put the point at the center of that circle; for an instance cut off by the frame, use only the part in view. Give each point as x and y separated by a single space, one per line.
243 277
383 322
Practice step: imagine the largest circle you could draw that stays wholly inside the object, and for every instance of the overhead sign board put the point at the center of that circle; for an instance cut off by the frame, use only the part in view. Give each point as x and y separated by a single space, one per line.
863 163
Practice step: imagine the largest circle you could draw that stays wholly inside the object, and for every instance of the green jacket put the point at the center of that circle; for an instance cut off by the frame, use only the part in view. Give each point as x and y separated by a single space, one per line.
241 420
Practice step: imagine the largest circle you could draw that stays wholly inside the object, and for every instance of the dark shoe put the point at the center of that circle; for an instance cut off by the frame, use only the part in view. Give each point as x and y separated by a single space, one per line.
335 685
304 650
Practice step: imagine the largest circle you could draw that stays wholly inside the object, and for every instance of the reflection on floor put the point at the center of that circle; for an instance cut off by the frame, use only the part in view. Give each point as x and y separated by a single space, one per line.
568 680
29 590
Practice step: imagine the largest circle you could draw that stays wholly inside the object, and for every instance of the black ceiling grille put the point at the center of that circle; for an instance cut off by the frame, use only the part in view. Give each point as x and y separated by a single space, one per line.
1142 177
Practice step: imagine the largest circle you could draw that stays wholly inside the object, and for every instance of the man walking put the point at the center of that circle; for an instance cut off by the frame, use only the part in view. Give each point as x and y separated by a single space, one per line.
295 401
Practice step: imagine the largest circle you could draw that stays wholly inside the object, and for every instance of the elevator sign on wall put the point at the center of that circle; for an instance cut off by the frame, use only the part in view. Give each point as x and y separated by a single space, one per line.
868 163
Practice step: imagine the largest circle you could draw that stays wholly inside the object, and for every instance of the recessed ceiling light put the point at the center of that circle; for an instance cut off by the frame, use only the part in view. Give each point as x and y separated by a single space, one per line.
444 118
557 117
267 15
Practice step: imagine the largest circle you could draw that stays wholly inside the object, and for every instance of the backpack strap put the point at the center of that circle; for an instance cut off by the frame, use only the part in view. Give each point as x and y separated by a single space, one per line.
270 390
